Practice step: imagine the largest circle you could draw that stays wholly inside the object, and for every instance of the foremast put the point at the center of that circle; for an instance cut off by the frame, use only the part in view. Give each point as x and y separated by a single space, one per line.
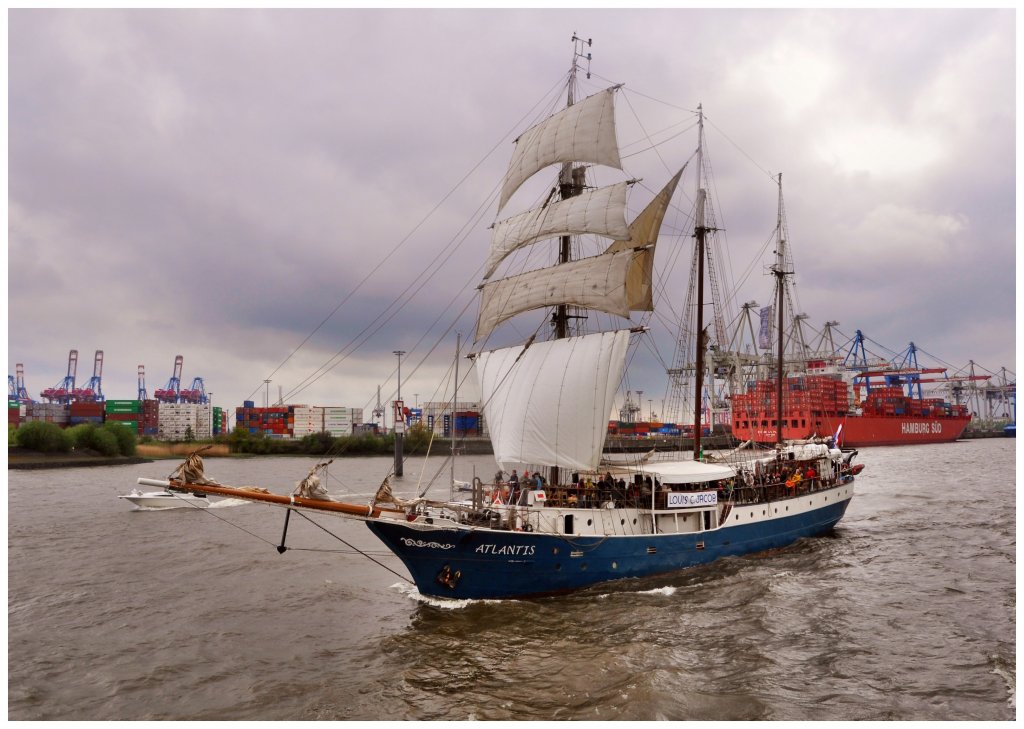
547 402
571 181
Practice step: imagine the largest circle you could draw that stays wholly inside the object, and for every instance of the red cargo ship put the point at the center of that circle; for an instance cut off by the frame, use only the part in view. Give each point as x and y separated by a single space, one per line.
819 405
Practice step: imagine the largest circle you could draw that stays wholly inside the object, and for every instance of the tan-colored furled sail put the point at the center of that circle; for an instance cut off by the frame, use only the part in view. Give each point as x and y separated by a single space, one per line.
643 231
601 211
583 132
549 403
599 282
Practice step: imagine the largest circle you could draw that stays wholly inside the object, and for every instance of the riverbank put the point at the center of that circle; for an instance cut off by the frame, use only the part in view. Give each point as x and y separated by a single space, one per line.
20 459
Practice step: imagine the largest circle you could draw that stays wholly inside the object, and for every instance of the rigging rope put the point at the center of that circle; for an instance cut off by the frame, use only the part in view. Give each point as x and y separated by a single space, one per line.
354 549
328 531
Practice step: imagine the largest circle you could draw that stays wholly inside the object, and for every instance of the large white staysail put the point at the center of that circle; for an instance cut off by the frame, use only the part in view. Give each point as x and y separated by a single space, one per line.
583 132
548 403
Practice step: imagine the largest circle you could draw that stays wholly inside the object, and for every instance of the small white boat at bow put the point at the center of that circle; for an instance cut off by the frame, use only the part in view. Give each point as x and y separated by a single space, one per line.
165 500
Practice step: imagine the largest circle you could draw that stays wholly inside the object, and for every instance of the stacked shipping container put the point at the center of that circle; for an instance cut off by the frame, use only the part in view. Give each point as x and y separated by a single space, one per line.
126 412
85 412
47 412
306 420
178 421
338 421
469 421
297 421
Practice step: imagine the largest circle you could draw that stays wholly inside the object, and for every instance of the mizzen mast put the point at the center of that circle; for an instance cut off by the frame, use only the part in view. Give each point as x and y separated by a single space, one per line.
780 271
700 231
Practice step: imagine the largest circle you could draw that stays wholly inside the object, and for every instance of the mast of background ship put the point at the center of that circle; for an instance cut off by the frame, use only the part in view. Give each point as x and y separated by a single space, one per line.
570 184
700 233
455 406
779 271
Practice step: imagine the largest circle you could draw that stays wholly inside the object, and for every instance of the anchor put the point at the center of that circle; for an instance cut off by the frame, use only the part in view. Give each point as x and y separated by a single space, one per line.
448 578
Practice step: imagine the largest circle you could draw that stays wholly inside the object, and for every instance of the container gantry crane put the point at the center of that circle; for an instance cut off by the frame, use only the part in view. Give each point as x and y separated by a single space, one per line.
143 395
172 391
16 391
93 391
196 393
63 391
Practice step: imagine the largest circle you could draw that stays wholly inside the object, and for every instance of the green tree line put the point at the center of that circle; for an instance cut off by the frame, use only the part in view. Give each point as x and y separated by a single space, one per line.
109 439
417 440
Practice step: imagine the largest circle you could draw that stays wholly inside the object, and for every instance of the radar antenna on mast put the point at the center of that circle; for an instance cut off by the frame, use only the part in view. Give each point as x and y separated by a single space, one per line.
579 42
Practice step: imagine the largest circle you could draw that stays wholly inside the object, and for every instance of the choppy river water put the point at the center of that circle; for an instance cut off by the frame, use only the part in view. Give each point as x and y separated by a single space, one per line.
907 611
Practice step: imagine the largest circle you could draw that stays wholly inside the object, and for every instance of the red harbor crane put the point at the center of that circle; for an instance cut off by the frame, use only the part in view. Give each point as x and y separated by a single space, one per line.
93 391
63 391
172 391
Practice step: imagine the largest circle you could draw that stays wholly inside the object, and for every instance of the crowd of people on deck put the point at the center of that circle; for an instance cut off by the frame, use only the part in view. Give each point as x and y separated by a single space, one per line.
587 491
778 479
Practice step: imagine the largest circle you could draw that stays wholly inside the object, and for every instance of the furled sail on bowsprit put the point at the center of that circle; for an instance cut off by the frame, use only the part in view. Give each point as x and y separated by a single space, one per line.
547 403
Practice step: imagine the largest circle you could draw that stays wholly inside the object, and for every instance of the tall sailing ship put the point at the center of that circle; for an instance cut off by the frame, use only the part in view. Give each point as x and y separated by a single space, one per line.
560 519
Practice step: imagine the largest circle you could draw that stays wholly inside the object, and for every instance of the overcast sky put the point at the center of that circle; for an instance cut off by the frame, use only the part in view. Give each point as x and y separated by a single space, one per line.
215 183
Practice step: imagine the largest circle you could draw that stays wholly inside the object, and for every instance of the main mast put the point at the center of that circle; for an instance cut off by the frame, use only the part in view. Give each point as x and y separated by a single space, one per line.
571 182
700 233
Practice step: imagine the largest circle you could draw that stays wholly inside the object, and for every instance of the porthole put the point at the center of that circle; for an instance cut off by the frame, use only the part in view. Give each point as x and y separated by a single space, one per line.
737 517
615 565
554 551
590 522
634 522
764 512
622 522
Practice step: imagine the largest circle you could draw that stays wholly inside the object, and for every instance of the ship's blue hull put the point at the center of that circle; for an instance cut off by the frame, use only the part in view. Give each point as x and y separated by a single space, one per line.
494 564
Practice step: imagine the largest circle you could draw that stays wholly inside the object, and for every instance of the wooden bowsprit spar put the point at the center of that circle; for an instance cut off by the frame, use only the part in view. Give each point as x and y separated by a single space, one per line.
265 497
